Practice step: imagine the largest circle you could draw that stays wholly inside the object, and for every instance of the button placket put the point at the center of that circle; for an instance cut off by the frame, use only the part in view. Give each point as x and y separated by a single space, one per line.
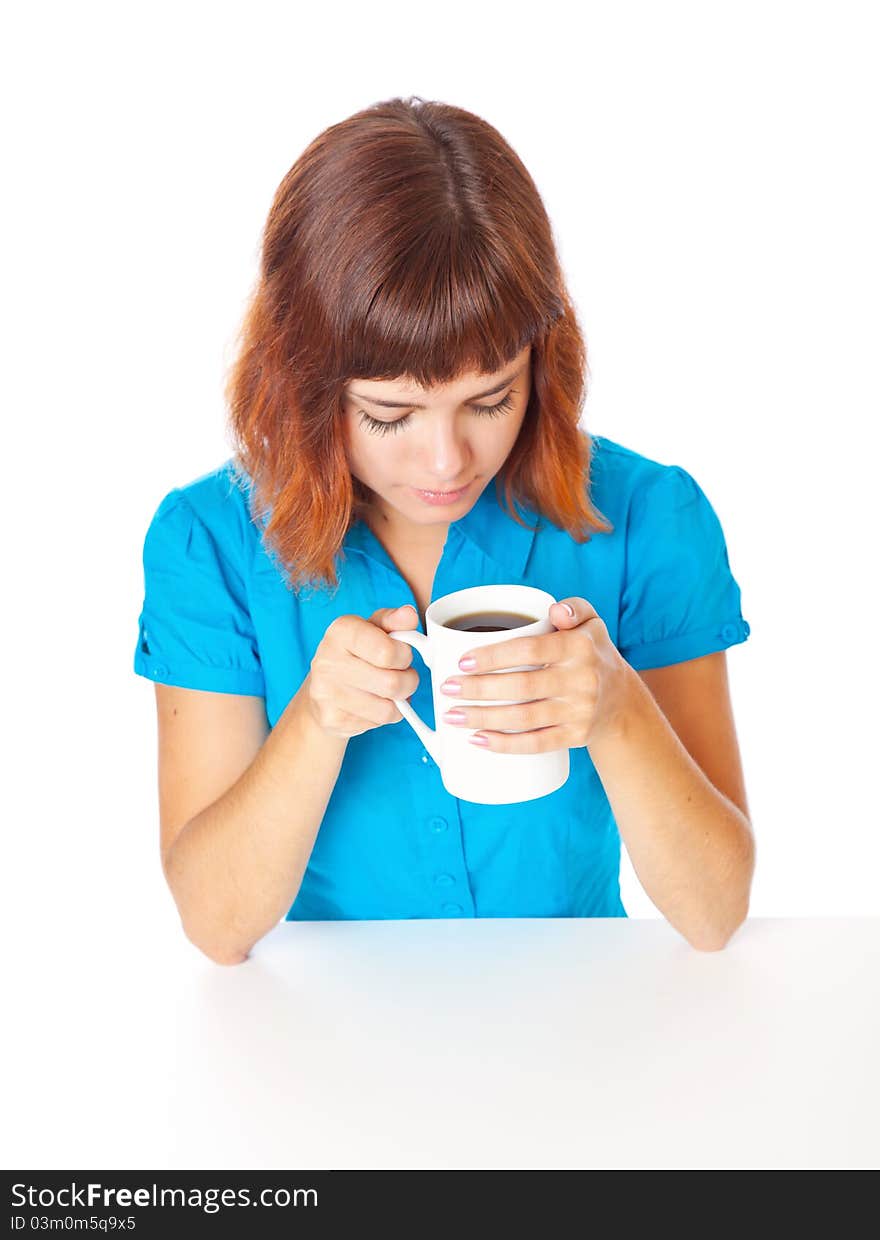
449 878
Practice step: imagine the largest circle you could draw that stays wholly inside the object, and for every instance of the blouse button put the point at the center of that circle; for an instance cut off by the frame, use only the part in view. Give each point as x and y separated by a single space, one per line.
452 909
443 880
729 632
438 824
160 671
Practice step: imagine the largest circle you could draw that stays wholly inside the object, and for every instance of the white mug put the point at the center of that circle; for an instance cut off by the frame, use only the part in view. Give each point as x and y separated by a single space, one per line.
468 772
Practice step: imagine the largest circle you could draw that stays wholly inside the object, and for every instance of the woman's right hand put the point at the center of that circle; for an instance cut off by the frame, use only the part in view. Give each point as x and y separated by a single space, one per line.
358 670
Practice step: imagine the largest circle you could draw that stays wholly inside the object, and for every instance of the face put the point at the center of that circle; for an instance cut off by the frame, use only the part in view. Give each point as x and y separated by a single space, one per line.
436 440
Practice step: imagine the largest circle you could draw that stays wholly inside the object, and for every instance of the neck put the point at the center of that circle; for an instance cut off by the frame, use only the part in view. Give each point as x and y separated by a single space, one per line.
407 536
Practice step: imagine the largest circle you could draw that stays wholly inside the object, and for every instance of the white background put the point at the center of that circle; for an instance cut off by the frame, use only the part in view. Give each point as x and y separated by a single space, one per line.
710 173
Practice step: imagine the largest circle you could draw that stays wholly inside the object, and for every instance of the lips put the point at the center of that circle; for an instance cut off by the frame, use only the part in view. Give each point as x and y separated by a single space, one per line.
441 498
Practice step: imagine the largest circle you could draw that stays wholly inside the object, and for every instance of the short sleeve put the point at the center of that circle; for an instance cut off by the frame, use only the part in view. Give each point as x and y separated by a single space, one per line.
680 599
195 629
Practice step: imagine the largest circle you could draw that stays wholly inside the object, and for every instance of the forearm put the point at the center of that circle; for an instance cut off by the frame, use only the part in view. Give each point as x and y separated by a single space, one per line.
691 847
236 867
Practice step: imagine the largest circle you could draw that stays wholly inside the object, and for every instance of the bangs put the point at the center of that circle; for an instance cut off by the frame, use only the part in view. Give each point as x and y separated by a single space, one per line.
434 320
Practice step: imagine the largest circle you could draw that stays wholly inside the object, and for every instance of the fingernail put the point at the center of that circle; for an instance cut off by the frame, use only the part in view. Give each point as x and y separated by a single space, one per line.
454 716
467 663
478 739
450 686
569 609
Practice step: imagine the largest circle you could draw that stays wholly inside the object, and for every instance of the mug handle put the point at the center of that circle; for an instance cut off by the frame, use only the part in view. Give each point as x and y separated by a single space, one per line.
428 736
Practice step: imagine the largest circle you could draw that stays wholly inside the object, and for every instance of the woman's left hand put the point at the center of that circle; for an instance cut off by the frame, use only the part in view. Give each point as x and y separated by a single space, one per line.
580 694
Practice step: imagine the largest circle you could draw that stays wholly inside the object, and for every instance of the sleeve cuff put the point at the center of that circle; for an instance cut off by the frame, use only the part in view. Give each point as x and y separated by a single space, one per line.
200 676
686 646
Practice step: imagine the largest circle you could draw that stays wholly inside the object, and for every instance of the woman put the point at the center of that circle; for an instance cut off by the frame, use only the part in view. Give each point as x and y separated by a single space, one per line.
405 411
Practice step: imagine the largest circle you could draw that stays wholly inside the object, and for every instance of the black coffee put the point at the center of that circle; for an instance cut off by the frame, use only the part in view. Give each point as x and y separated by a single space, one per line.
488 621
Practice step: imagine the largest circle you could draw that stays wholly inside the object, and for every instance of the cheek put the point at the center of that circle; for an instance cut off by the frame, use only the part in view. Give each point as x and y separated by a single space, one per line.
361 446
508 435
376 455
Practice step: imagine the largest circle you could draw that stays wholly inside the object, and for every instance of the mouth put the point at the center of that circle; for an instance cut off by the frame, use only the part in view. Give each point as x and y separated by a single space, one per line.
440 497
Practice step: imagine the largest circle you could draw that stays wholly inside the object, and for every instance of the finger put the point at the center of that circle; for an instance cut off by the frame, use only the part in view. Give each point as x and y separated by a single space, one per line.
385 682
534 649
369 707
537 649
541 741
543 682
524 717
371 643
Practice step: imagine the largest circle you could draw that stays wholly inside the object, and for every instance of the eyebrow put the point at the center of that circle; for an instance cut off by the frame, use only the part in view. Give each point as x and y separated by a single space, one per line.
408 404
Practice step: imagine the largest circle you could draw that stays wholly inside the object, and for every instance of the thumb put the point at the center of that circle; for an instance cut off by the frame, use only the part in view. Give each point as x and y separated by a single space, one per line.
405 617
571 612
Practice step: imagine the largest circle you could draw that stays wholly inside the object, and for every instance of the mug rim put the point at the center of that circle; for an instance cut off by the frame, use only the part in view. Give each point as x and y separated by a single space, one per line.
441 625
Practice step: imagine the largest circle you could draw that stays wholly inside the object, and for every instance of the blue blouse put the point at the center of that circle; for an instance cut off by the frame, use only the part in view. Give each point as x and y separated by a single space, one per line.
393 843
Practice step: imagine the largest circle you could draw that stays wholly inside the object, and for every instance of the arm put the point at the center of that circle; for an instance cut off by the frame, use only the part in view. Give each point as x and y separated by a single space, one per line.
680 811
235 868
691 845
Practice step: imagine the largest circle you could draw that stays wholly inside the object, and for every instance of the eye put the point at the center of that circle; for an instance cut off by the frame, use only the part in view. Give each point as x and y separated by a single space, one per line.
378 427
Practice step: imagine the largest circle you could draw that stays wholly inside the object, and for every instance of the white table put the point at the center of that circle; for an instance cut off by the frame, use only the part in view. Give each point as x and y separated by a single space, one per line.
460 1044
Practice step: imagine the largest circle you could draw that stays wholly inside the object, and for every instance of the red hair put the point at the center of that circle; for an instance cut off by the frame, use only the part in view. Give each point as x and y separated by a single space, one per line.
407 242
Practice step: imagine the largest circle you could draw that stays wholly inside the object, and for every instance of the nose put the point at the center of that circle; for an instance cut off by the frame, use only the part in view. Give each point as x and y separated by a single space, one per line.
447 456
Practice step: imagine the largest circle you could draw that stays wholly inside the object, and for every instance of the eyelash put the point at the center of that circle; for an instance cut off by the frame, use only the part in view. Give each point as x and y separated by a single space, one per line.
379 427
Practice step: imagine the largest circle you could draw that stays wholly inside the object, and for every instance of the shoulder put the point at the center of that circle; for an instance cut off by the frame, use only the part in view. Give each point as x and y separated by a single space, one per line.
219 500
219 497
622 480
624 471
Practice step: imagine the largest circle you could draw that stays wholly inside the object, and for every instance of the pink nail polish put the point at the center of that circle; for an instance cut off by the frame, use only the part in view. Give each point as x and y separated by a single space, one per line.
467 664
476 739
